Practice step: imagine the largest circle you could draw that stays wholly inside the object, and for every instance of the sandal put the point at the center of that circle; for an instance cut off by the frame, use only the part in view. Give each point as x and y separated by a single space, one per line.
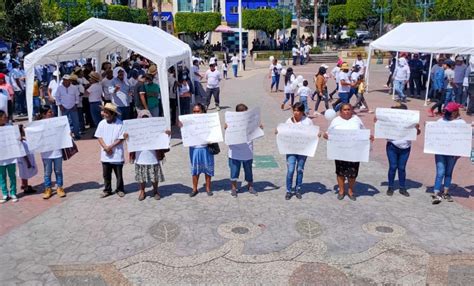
193 194
142 195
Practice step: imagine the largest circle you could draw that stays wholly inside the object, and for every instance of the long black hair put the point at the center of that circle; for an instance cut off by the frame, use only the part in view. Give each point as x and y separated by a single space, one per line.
289 72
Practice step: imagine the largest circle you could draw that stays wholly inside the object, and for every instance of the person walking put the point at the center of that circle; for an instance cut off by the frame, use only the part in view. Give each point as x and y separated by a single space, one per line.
275 71
461 71
304 92
67 98
321 89
294 53
335 75
449 82
213 77
235 64
110 135
416 71
345 85
439 89
445 163
401 77
290 84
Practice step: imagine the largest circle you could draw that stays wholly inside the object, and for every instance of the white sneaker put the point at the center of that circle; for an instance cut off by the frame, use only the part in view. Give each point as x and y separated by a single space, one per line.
14 198
4 200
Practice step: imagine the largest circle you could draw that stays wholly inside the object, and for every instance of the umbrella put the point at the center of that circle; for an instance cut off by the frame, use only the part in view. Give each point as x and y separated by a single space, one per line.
223 29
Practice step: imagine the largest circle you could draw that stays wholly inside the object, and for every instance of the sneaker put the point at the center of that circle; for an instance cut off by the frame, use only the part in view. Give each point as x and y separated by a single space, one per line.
61 193
14 198
233 193
436 199
253 191
298 195
47 193
4 199
404 192
390 192
445 196
193 194
288 196
121 194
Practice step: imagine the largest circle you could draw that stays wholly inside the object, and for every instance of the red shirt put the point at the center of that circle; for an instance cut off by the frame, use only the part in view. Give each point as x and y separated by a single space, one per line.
9 89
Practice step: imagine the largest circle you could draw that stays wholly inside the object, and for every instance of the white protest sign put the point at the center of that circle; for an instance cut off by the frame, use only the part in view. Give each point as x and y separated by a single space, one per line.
146 134
396 124
348 145
447 138
10 143
242 127
48 134
297 139
200 129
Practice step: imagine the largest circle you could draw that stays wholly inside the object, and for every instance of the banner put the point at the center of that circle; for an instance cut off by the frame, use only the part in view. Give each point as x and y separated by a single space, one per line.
200 129
297 139
146 134
349 145
10 143
242 127
446 138
48 134
396 124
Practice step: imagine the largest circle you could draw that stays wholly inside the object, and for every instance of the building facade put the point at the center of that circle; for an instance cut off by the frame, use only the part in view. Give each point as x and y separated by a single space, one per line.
231 8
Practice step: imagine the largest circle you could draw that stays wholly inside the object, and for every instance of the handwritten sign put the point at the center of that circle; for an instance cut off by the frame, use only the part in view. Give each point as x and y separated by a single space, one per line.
10 143
146 134
200 129
242 127
297 139
349 145
396 124
48 134
447 138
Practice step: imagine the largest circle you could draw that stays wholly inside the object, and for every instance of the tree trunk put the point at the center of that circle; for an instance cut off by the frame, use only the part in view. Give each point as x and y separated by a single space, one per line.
298 18
315 34
149 10
159 6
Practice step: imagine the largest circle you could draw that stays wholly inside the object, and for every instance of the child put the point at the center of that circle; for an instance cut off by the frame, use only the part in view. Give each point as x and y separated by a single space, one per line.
7 167
27 167
304 92
241 154
110 135
224 69
360 95
147 166
51 158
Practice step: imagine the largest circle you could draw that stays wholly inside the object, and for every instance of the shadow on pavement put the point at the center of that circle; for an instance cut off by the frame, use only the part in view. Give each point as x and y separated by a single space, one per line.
410 184
361 189
456 191
169 190
314 187
79 187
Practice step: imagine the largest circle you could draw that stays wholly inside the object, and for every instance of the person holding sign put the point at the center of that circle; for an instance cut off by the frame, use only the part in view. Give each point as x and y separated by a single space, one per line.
111 135
445 163
346 169
51 158
398 152
294 161
241 154
202 161
7 167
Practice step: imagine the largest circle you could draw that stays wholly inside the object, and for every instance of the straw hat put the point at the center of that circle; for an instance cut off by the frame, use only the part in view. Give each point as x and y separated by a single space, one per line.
73 77
94 76
344 66
110 107
66 77
152 69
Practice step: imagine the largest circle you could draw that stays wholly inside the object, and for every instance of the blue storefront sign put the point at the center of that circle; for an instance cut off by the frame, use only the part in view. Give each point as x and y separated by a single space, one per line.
165 17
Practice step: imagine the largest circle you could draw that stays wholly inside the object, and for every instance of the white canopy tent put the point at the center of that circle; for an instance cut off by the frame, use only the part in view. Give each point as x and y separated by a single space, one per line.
447 37
95 38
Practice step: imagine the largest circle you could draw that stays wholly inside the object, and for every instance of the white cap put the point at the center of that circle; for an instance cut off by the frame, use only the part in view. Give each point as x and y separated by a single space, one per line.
459 58
56 73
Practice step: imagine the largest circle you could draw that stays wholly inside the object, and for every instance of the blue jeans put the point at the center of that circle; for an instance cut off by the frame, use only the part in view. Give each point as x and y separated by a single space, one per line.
58 171
444 170
73 118
294 162
399 85
345 97
288 96
125 112
397 160
20 102
295 58
234 166
234 69
304 100
95 112
458 94
449 96
36 104
80 115
275 82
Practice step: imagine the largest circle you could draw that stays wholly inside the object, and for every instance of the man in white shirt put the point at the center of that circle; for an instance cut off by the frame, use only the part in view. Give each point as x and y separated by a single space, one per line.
359 62
401 75
275 71
235 63
67 98
213 77
345 85
303 93
294 54
302 54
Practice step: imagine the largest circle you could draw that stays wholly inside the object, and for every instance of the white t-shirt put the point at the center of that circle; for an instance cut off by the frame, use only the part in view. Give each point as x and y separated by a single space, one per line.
235 60
195 70
53 85
106 84
335 72
344 77
213 78
146 157
401 144
95 92
304 91
294 52
449 75
52 154
241 152
288 87
304 121
224 67
359 63
110 132
213 60
355 76
340 123
276 68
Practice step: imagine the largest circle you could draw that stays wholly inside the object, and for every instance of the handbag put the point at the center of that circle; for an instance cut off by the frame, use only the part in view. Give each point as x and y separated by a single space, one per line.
214 148
69 152
160 154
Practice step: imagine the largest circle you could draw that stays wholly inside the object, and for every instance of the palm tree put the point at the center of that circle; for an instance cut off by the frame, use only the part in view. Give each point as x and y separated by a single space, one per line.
149 10
159 5
298 17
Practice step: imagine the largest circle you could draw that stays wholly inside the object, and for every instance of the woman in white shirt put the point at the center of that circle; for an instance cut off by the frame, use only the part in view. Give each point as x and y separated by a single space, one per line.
345 169
290 79
294 161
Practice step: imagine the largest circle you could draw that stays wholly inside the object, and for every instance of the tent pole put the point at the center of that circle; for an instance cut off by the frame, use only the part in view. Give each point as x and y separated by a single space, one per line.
176 92
366 72
58 110
429 80
393 87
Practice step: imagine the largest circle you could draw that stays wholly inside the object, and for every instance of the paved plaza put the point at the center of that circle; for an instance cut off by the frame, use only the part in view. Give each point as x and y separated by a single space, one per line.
248 240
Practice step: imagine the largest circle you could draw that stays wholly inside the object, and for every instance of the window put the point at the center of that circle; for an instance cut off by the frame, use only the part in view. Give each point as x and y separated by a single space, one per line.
185 6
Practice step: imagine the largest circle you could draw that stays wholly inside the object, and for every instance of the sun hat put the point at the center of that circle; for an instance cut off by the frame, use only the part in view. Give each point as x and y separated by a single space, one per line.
339 62
459 58
94 76
66 77
152 69
110 107
452 106
344 66
77 69
73 77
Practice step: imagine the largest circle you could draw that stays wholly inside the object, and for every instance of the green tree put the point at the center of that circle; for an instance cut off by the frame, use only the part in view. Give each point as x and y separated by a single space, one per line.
126 14
404 11
351 32
358 11
197 24
337 15
267 20
452 10
21 20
